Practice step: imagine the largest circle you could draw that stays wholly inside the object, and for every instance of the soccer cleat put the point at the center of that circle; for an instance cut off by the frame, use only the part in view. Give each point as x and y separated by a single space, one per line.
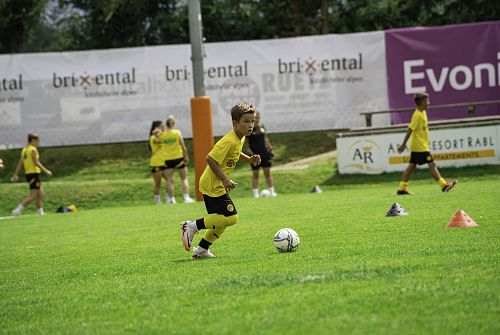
449 186
403 192
188 200
187 234
199 252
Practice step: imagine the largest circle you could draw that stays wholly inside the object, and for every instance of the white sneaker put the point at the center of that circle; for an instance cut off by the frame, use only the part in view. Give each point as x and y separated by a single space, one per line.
199 252
171 201
189 200
187 233
274 194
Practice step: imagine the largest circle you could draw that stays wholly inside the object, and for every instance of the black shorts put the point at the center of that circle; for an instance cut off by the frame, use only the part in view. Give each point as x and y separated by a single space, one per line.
157 168
34 180
420 158
264 162
220 205
175 163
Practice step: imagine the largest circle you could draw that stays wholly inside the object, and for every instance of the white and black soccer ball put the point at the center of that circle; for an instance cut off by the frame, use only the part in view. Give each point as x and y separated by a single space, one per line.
286 240
265 193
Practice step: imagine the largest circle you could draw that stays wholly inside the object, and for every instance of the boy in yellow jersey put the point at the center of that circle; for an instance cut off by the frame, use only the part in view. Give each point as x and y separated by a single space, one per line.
176 158
215 183
419 147
30 160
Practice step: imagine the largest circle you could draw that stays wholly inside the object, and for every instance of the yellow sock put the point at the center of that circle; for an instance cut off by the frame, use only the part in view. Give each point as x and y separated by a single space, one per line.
442 182
403 185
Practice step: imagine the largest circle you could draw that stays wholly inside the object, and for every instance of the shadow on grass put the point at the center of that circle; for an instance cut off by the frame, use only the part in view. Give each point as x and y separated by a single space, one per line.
419 174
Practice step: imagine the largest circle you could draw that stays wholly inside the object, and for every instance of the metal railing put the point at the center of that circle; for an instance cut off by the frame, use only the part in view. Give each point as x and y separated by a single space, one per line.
471 109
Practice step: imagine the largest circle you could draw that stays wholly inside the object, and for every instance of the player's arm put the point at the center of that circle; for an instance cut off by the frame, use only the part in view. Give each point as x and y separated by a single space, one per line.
39 164
156 133
402 147
254 159
228 183
15 176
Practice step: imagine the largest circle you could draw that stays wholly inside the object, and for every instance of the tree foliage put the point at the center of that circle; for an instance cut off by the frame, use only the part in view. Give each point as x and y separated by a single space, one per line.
58 25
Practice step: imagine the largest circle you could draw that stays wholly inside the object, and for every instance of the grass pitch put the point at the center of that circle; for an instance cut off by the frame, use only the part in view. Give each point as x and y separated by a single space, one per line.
124 270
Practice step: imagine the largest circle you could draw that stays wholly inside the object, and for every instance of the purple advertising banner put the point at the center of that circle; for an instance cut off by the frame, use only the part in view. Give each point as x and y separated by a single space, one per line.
454 64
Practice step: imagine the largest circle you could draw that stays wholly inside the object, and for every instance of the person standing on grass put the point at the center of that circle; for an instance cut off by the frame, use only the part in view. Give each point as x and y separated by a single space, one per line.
157 160
176 158
259 144
30 161
1 165
215 183
418 130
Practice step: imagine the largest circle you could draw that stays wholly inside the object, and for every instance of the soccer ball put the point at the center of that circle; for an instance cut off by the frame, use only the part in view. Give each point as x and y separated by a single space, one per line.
265 193
286 240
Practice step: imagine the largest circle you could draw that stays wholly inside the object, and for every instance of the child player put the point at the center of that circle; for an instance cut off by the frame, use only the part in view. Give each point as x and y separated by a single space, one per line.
215 183
419 147
30 160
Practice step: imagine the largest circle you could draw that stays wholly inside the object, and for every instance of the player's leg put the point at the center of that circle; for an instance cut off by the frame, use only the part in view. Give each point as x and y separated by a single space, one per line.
255 182
185 185
38 195
169 175
443 184
33 183
403 184
157 175
269 180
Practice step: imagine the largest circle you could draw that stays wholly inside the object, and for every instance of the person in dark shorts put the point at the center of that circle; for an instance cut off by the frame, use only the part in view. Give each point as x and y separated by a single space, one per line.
259 144
418 130
215 183
157 159
30 161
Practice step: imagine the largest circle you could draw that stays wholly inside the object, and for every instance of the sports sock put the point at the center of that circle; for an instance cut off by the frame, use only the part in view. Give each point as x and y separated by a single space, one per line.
19 208
212 235
40 211
157 199
186 196
403 185
204 244
220 221
200 224
255 192
271 189
442 182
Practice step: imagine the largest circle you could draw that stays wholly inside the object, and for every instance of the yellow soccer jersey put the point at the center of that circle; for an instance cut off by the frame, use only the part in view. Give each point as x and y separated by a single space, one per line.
157 159
420 132
171 144
28 163
226 153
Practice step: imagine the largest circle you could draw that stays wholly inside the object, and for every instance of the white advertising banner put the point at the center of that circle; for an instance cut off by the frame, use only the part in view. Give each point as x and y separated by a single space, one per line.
106 96
373 154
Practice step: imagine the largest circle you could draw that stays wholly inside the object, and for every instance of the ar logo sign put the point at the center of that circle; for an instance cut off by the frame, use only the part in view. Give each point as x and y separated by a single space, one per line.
366 156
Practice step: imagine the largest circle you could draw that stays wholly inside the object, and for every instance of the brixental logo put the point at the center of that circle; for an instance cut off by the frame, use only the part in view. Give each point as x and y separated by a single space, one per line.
86 80
311 66
11 84
223 71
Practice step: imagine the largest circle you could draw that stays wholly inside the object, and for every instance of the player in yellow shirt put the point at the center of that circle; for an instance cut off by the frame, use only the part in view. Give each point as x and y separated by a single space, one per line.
30 161
176 159
157 160
418 130
215 183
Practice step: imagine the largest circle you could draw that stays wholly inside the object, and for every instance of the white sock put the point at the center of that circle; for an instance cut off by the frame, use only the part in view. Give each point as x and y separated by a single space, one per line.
193 226
271 189
40 211
19 208
255 192
170 200
186 196
157 199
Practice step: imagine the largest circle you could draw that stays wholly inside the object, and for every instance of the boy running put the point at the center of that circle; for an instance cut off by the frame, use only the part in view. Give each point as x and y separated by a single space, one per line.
215 183
30 160
419 147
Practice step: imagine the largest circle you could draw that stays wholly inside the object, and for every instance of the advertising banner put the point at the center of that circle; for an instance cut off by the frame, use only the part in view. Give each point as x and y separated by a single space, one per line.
454 64
107 96
455 147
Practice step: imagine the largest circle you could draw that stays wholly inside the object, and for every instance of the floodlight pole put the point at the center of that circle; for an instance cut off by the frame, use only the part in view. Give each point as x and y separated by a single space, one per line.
201 106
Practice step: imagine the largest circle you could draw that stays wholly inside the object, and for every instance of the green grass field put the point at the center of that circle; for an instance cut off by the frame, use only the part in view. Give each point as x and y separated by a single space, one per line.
116 270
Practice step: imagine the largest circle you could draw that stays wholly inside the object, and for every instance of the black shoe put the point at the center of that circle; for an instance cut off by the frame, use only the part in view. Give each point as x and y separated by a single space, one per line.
449 186
403 192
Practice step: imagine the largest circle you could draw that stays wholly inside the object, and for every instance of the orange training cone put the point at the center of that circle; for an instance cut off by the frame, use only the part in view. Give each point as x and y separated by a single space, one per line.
461 219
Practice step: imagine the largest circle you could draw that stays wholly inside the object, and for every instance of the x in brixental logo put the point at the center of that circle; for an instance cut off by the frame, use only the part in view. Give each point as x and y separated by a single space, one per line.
85 79
310 66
